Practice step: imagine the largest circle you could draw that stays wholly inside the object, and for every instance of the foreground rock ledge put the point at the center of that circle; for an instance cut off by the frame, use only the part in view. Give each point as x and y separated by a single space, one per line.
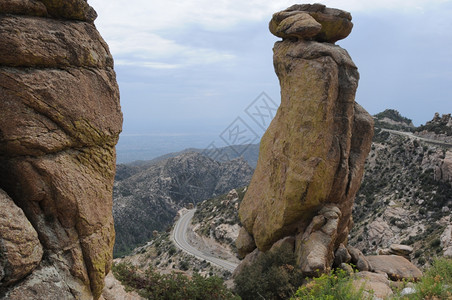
311 159
60 120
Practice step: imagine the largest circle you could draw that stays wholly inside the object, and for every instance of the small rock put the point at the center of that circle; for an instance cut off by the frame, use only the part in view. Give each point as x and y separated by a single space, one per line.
363 264
407 291
245 243
385 251
446 241
347 268
232 195
286 244
341 255
401 249
355 254
378 283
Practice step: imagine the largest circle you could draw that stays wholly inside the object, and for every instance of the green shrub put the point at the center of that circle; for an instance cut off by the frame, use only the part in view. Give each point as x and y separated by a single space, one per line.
152 285
436 282
435 243
272 276
337 285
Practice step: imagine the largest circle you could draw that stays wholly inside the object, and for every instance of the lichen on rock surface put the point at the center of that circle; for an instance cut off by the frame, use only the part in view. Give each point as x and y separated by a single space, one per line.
312 156
60 121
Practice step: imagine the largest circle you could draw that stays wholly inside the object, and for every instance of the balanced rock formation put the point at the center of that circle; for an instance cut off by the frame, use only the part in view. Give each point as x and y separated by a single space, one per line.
60 120
311 159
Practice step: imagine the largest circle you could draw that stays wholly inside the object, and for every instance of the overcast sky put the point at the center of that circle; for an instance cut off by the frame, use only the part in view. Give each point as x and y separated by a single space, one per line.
194 66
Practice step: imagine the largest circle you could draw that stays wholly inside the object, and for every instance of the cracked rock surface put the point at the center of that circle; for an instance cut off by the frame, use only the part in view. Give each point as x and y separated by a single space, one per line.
311 158
60 121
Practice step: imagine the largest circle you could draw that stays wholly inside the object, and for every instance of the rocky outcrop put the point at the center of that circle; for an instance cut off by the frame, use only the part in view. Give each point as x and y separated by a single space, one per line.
439 128
312 155
443 169
60 120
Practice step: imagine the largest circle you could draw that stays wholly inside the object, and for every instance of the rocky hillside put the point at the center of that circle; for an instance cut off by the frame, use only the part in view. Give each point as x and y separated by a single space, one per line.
146 198
249 152
405 196
439 128
218 218
391 119
215 227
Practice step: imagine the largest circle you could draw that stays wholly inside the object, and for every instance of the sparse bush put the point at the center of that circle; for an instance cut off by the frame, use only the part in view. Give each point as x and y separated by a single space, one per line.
436 282
336 285
172 250
273 276
435 243
184 265
153 285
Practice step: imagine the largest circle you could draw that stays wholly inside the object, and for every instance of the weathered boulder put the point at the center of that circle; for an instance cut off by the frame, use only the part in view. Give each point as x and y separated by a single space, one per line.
402 250
114 290
358 259
446 241
20 249
397 267
60 120
244 243
397 249
23 7
311 158
312 22
341 256
375 283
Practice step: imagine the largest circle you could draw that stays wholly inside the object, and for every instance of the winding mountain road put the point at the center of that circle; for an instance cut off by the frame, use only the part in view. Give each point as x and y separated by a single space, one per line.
179 236
410 135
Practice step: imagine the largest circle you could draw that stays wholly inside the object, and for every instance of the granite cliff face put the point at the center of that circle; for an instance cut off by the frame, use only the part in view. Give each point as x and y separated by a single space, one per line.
312 156
60 120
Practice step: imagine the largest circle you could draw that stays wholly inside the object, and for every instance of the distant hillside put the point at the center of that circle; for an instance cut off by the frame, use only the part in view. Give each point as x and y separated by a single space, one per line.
404 197
147 198
406 193
439 128
392 119
250 154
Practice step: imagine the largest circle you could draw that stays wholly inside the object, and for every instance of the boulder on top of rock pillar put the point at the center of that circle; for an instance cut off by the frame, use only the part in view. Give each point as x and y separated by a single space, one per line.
312 155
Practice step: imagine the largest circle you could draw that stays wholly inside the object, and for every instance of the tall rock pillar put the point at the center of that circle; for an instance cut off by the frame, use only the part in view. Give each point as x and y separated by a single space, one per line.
60 120
312 156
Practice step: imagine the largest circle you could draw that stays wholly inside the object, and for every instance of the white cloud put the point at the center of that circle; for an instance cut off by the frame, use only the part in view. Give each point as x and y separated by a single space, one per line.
135 29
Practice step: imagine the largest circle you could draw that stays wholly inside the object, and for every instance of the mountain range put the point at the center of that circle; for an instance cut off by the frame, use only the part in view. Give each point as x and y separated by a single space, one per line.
405 197
148 195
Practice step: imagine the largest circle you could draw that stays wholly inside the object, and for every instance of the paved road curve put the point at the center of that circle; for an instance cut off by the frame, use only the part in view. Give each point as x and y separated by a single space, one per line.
179 236
409 134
